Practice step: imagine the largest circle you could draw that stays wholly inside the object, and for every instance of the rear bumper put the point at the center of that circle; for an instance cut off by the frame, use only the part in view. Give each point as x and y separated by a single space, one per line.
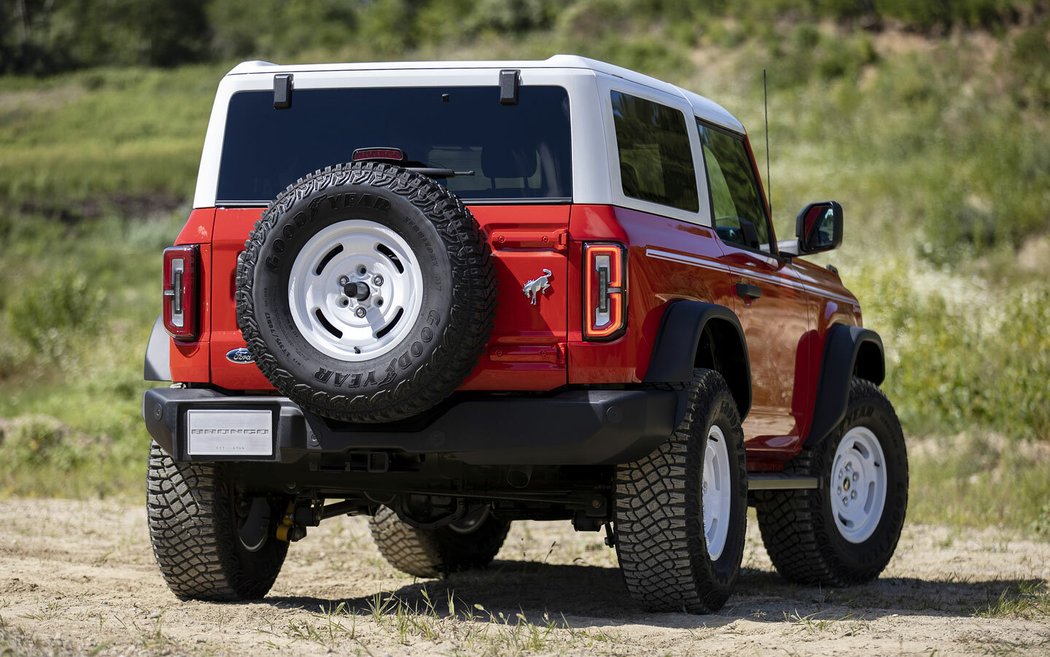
575 427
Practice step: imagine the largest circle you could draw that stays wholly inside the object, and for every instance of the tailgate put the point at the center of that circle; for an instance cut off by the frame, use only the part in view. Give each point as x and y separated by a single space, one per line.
527 347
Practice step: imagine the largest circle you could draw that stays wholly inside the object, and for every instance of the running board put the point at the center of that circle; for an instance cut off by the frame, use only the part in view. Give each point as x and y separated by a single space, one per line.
780 482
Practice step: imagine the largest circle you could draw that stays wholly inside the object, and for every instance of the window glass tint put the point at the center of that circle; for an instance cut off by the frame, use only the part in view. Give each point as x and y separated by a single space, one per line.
515 151
736 201
655 160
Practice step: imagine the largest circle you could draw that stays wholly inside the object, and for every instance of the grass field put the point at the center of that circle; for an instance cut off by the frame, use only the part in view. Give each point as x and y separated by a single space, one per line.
938 148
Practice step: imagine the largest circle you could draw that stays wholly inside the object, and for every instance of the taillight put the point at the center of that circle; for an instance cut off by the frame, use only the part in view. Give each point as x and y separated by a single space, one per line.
604 291
180 292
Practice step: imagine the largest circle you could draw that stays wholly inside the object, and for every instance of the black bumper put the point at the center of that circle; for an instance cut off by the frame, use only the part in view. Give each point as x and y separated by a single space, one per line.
575 427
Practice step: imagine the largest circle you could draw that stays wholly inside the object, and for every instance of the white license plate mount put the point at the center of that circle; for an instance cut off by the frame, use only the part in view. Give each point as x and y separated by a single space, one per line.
229 432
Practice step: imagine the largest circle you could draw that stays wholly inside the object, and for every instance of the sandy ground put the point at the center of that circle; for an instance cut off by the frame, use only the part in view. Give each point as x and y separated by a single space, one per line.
79 577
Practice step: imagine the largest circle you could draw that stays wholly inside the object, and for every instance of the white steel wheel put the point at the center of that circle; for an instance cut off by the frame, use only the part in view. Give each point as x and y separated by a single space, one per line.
717 492
355 290
858 484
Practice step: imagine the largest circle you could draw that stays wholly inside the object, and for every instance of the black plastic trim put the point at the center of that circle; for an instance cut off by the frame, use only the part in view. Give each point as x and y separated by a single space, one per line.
675 353
157 365
574 427
842 347
509 82
282 91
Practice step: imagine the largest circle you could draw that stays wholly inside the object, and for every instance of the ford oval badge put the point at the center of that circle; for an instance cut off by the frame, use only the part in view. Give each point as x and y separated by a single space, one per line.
240 356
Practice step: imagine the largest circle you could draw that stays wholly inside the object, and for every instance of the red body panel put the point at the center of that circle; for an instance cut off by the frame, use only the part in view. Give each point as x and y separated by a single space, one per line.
527 348
775 325
541 347
190 361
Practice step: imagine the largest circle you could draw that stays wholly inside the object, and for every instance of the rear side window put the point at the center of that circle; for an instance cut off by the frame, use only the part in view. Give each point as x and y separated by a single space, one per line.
514 151
656 163
736 202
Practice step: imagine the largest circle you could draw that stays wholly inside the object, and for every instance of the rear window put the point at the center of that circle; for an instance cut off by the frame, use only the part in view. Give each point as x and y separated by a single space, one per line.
515 151
656 163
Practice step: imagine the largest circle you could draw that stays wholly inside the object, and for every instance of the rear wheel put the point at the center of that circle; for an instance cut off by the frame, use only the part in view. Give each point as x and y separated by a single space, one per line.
681 512
845 531
211 542
469 543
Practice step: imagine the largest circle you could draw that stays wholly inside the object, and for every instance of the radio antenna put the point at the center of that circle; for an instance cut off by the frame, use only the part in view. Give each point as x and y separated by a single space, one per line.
765 107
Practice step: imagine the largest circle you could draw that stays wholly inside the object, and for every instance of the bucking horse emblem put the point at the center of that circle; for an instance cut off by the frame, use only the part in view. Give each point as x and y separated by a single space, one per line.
537 286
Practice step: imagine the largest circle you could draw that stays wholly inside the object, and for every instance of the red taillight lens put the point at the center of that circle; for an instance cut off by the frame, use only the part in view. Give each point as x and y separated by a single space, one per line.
181 287
604 291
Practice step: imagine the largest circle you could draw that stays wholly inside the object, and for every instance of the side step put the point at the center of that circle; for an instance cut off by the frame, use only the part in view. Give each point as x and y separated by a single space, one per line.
777 481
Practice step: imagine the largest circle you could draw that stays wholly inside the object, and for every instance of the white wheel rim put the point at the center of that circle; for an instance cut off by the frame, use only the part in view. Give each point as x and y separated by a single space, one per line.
858 484
717 493
345 327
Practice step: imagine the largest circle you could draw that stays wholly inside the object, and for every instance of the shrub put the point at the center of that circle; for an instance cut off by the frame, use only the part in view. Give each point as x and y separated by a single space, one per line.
47 313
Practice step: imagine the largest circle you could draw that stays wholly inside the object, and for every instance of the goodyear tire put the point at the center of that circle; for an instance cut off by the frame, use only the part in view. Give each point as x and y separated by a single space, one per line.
198 527
366 293
845 531
681 512
471 543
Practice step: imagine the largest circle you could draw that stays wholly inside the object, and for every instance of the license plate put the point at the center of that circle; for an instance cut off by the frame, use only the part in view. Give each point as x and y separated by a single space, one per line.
229 433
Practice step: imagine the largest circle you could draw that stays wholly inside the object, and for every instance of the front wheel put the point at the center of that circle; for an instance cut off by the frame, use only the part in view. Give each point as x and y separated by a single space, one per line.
681 512
845 531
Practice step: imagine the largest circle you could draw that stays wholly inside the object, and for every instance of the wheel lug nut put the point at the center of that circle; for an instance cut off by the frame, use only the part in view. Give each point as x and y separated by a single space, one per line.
378 280
856 476
343 280
360 312
853 495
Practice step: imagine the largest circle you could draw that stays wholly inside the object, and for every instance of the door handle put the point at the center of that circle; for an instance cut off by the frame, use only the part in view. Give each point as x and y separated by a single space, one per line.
748 291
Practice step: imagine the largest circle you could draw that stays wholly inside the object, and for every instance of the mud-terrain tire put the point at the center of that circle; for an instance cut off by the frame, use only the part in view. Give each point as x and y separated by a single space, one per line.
679 548
435 552
193 526
812 539
382 241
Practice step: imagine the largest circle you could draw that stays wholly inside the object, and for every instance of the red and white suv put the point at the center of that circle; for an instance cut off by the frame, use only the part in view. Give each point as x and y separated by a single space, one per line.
451 295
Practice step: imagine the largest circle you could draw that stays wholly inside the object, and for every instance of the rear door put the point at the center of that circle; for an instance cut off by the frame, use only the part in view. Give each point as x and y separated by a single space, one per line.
511 164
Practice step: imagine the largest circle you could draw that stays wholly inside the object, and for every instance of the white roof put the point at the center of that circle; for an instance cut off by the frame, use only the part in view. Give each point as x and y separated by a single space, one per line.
703 107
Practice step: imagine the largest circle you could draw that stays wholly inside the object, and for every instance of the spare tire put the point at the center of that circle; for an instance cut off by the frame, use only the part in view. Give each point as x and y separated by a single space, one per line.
365 292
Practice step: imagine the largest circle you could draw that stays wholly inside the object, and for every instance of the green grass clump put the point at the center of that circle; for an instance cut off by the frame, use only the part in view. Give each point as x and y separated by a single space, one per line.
980 480
1027 599
977 361
86 143
74 318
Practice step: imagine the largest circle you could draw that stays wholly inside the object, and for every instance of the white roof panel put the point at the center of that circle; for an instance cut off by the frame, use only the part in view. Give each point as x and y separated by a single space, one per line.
703 107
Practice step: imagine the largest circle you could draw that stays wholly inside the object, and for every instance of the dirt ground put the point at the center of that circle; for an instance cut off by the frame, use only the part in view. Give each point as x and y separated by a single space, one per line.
79 578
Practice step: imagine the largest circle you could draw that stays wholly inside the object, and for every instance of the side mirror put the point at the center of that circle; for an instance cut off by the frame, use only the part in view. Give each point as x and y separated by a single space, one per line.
819 227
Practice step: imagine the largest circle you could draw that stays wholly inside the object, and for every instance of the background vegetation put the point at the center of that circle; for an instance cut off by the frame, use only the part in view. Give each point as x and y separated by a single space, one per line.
927 120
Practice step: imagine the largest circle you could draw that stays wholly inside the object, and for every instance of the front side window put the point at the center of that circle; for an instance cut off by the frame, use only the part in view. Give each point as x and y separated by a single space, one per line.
736 199
506 152
656 163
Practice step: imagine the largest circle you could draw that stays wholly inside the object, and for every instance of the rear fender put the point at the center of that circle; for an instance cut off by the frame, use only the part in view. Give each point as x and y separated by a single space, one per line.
157 366
697 334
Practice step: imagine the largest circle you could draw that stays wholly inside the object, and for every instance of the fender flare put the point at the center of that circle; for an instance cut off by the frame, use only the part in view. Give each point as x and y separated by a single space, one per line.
157 363
848 351
678 340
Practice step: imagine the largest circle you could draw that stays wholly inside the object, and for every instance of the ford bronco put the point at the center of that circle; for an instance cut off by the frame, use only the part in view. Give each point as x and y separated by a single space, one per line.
451 295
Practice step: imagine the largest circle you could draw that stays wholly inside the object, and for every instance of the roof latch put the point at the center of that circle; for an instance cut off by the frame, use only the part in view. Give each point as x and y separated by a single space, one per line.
509 81
282 91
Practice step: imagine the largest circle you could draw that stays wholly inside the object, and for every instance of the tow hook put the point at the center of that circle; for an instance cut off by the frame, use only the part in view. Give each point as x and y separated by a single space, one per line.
288 530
